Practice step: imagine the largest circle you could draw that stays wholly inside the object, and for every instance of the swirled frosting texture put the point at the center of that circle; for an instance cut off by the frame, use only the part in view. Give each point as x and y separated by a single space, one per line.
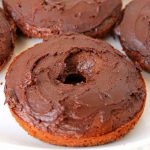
6 38
59 16
74 85
134 32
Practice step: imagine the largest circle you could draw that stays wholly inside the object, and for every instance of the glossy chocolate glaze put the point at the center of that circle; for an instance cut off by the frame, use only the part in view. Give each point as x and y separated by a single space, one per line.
73 85
59 16
134 32
6 38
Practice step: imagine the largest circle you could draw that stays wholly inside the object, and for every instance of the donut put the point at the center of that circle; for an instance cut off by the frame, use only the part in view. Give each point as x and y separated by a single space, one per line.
73 90
44 18
7 38
134 32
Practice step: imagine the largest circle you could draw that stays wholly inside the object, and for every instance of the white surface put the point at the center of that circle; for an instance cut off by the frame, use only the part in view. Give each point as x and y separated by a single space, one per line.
14 137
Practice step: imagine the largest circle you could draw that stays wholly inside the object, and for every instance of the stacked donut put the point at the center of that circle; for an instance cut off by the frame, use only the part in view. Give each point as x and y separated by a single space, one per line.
74 89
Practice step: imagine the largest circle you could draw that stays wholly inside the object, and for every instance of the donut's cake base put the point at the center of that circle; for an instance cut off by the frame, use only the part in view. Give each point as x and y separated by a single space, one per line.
99 32
134 34
7 39
136 57
124 110
6 61
35 29
74 142
104 29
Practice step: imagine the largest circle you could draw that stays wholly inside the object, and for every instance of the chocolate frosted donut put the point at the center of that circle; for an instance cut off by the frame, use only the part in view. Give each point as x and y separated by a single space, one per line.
134 32
43 18
75 91
7 38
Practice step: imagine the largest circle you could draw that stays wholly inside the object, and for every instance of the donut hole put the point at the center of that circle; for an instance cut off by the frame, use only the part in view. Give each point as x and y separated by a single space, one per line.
75 79
72 78
79 67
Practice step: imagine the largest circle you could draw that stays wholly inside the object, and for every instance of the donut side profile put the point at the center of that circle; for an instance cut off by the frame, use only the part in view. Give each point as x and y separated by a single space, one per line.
7 38
73 90
44 18
134 32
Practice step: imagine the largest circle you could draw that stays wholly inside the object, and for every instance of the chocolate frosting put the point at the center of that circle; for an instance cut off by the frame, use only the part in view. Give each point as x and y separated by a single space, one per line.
134 31
6 38
57 16
73 85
